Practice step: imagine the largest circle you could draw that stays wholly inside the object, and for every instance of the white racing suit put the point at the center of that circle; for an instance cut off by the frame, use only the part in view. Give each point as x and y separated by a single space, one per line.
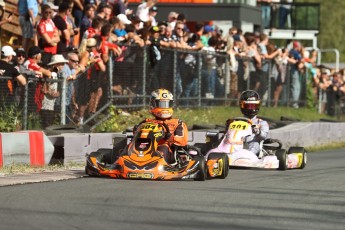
253 140
237 137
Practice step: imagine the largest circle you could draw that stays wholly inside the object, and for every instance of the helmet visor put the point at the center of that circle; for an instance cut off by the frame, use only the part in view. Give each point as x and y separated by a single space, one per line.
252 105
163 104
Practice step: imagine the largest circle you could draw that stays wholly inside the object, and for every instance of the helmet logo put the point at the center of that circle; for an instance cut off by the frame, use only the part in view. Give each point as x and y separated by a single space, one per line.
164 95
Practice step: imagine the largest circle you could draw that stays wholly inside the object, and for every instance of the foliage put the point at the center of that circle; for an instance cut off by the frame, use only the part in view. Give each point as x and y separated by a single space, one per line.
10 119
331 27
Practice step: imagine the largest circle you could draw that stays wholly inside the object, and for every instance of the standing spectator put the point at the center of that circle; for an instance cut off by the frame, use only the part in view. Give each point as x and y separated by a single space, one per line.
48 34
107 46
254 64
77 12
8 70
144 8
189 73
71 70
89 85
172 19
28 11
51 92
178 38
295 53
104 11
34 58
237 82
266 57
120 7
228 38
60 21
182 18
210 67
73 29
208 30
152 15
284 11
265 12
282 61
22 63
89 14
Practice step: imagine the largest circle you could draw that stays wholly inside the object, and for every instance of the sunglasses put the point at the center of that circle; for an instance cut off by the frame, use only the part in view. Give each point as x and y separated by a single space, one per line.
179 28
75 61
20 55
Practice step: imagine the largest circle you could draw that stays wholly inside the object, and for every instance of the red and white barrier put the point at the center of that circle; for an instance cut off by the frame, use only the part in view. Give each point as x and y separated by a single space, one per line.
29 147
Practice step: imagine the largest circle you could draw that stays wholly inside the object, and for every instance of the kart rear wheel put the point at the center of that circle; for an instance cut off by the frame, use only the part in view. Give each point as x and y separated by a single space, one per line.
281 155
304 155
202 175
225 166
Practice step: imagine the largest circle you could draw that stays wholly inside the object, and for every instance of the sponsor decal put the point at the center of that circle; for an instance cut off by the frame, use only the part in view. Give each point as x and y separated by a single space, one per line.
134 175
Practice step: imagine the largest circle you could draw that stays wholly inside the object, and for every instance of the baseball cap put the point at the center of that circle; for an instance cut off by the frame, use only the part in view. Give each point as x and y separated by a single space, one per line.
123 18
52 6
7 51
154 8
33 51
208 28
155 29
20 51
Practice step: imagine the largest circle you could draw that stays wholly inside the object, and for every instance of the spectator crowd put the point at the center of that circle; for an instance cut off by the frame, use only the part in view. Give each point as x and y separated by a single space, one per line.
73 40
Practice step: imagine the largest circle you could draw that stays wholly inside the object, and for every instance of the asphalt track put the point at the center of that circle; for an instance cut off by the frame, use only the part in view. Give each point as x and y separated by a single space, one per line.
313 198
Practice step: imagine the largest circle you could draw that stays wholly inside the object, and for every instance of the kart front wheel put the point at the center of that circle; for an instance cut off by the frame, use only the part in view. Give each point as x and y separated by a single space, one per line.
281 155
202 175
223 157
301 153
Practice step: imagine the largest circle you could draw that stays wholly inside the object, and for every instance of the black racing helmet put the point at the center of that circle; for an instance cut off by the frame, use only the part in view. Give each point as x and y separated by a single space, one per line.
250 103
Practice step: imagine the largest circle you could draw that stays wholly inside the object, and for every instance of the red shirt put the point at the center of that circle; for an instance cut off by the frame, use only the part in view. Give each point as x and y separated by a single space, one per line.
47 26
105 46
92 32
33 66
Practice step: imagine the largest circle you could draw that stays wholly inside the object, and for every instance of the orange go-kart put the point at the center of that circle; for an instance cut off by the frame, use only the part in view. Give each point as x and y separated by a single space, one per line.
141 160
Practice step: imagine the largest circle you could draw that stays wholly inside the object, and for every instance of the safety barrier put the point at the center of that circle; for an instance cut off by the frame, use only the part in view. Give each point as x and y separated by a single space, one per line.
27 147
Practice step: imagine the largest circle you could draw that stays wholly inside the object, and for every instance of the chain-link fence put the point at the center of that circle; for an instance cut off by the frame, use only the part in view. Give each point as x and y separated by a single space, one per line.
196 78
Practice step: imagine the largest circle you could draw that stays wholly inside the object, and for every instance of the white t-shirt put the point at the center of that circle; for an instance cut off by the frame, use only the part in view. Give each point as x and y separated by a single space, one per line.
143 12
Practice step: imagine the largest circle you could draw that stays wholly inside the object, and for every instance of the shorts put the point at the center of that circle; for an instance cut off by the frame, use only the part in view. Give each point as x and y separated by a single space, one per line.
26 26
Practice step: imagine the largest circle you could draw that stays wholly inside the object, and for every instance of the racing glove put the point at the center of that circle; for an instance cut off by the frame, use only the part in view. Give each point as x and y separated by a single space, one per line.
256 130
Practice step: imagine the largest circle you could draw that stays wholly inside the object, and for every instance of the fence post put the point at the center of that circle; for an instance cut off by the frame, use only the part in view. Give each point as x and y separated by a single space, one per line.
25 106
110 75
144 75
269 88
200 78
63 100
227 79
175 73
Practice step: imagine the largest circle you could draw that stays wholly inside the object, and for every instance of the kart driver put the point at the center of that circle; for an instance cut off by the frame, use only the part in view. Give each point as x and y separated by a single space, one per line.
161 104
250 105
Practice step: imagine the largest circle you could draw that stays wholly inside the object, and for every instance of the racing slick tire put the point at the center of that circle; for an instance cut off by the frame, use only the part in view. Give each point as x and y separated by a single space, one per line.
281 155
225 159
89 170
202 175
299 150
